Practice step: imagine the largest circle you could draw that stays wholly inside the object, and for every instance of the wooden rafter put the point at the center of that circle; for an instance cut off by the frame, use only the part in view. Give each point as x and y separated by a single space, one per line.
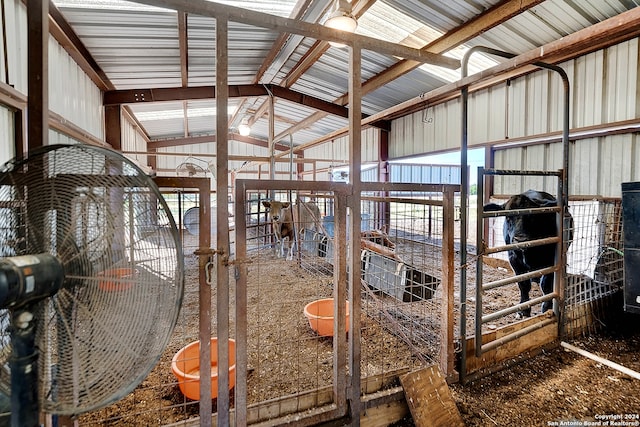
490 18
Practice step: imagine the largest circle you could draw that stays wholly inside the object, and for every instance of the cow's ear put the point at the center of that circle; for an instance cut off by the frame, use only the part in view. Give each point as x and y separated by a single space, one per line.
286 205
266 204
491 207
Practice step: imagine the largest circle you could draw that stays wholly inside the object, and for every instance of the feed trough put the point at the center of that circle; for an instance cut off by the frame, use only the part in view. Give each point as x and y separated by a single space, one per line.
117 279
186 367
320 316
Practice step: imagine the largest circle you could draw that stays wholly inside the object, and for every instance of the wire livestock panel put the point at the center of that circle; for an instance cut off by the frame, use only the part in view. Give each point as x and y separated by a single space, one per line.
594 266
291 366
402 270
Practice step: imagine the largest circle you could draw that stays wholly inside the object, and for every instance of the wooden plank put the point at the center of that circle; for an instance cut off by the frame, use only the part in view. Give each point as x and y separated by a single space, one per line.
383 415
429 398
538 338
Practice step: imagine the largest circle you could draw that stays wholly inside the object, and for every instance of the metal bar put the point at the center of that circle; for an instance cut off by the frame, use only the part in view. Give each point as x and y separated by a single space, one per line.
479 269
521 245
464 191
204 305
428 202
355 168
518 278
524 211
501 313
448 273
222 225
341 280
515 335
520 172
240 402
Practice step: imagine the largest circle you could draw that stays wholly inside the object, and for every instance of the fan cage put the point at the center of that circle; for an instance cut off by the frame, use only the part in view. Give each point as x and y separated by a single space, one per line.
107 223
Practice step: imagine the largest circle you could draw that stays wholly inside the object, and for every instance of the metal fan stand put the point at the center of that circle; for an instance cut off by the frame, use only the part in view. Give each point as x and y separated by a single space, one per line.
25 281
88 247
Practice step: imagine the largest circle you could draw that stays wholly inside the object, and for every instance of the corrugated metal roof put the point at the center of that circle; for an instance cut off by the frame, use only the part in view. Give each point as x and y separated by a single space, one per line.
138 47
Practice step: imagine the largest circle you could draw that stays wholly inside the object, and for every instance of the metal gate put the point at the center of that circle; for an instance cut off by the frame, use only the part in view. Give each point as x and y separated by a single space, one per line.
558 269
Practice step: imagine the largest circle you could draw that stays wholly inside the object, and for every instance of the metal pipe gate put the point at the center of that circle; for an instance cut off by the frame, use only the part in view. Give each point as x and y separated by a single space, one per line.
558 269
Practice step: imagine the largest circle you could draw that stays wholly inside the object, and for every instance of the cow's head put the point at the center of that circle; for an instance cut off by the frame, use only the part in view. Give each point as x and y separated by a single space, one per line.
275 209
524 227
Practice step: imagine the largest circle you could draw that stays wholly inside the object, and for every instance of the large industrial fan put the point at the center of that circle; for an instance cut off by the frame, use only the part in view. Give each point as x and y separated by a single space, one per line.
91 280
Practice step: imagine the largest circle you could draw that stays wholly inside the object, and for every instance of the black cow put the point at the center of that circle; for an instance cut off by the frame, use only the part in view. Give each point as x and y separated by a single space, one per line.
522 228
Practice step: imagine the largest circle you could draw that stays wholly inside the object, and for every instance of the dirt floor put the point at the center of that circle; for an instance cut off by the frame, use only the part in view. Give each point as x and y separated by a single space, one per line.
559 385
554 386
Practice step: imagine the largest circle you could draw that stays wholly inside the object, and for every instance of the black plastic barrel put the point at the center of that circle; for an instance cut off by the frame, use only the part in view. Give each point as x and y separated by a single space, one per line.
631 232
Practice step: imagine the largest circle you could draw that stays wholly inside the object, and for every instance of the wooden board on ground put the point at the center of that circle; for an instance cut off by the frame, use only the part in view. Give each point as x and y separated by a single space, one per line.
429 398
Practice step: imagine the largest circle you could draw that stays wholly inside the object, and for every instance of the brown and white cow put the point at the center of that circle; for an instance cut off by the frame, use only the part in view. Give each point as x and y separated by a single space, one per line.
282 224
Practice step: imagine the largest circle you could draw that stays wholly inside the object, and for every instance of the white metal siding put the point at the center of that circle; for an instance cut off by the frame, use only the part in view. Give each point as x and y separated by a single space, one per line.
16 32
435 129
7 151
597 166
603 88
56 137
72 94
132 140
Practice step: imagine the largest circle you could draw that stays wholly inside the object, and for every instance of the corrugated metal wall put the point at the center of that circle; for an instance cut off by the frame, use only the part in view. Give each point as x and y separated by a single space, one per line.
603 87
7 151
436 128
132 140
71 93
16 32
424 174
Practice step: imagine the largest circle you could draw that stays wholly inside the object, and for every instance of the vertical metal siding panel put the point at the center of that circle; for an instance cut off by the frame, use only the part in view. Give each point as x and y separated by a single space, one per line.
622 72
370 175
553 162
517 108
370 141
588 89
396 138
416 133
584 167
16 13
7 151
72 94
534 159
496 111
537 102
453 129
427 120
478 118
616 163
508 159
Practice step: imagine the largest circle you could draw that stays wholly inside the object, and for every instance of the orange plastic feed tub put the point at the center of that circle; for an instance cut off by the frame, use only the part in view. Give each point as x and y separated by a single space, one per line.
320 316
117 279
186 367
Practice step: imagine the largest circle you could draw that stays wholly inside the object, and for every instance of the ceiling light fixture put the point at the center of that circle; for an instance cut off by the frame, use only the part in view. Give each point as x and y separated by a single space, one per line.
244 129
341 19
